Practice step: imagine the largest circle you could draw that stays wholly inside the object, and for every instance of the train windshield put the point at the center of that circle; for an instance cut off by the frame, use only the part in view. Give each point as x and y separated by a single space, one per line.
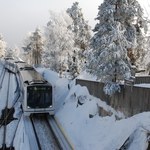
39 96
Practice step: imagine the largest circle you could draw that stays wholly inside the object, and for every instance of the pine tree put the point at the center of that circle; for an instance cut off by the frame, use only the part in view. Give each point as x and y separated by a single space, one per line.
2 46
146 60
33 47
80 27
73 65
130 14
108 58
82 32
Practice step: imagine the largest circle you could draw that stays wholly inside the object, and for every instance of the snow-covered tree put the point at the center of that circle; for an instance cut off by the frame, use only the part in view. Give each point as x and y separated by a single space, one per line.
146 59
16 52
26 49
80 27
59 42
82 32
33 47
73 64
130 14
108 58
2 46
9 52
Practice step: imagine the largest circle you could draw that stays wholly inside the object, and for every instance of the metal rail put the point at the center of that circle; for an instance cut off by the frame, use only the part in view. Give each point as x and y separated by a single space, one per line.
43 133
17 98
35 132
2 76
62 139
4 123
29 130
8 113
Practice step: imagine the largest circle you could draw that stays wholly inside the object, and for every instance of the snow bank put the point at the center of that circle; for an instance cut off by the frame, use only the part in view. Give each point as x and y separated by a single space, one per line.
79 116
21 141
86 76
96 132
145 85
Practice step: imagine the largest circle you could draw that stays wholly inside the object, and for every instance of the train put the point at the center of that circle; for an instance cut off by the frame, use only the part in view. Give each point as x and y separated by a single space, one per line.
38 94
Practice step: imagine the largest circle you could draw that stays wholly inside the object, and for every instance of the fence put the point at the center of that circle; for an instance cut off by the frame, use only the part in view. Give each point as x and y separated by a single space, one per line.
142 79
131 100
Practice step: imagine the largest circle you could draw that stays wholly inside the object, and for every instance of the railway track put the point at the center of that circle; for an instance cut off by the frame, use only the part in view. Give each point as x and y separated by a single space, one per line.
5 115
8 124
45 137
45 134
2 76
62 139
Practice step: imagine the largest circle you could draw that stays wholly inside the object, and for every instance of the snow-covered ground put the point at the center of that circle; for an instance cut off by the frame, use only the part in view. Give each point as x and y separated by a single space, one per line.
143 85
79 116
78 113
8 96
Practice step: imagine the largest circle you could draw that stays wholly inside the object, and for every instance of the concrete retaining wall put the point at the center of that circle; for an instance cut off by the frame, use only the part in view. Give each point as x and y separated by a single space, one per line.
131 100
142 79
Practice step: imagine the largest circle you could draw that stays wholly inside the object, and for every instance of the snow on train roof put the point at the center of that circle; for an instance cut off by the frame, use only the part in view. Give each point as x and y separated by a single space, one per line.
31 76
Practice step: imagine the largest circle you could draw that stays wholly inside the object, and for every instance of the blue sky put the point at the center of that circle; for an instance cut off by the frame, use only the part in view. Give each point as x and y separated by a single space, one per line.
18 17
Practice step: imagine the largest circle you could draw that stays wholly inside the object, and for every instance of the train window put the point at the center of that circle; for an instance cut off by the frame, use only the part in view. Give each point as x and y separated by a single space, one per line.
39 96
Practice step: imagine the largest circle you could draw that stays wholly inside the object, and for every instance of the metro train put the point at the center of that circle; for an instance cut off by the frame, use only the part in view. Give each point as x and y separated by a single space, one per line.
38 94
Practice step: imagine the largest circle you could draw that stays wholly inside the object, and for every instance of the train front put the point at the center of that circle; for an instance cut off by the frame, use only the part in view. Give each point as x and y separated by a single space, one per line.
39 99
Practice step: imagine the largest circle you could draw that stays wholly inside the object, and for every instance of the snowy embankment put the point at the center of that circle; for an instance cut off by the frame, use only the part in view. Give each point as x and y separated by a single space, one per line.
9 98
78 113
142 85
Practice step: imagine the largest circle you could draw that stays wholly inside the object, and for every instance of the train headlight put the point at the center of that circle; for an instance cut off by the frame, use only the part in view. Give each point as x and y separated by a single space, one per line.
50 106
28 107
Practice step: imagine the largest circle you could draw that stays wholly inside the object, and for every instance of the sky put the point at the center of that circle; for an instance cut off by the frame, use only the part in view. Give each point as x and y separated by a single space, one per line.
18 17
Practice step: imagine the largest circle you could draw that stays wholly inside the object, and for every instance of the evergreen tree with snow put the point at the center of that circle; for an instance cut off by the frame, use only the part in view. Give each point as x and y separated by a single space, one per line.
59 42
130 14
73 65
146 59
33 47
16 52
2 46
108 58
82 33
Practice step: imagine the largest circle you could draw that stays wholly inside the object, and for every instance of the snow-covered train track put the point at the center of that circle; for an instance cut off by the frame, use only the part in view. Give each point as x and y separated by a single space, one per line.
3 71
9 96
5 115
43 133
63 141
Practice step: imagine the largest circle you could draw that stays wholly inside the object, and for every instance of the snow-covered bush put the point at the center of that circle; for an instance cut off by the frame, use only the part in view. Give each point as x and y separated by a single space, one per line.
111 88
